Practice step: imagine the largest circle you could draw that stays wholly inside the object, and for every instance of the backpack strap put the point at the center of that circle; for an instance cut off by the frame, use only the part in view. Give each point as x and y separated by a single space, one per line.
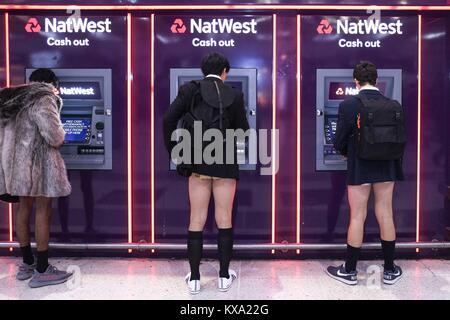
189 117
358 114
219 97
364 102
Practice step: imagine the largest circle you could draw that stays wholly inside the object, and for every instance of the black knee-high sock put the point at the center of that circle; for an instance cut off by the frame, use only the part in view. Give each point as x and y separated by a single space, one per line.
225 246
388 253
195 250
27 255
42 261
352 258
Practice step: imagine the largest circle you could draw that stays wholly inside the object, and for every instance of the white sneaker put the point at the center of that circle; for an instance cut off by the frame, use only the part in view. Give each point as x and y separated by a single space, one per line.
193 285
224 284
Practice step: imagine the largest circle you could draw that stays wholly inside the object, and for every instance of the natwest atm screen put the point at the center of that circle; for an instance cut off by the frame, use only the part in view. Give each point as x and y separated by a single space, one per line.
339 90
78 130
80 90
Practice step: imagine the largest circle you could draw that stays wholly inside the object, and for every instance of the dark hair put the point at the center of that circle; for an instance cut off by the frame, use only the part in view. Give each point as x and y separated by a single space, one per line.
365 72
44 75
214 63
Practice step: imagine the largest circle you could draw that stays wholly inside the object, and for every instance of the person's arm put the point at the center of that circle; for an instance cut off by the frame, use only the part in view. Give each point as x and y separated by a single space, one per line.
344 129
45 114
176 110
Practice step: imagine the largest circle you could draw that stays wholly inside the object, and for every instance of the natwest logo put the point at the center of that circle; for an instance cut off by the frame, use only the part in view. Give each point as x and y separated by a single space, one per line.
215 26
361 27
77 91
70 25
178 26
324 27
33 25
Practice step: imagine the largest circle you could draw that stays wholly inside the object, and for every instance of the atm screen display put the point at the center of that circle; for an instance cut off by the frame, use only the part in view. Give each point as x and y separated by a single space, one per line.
80 90
340 90
78 130
330 128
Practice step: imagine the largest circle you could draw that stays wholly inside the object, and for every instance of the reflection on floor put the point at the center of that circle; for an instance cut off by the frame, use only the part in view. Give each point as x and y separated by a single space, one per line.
114 278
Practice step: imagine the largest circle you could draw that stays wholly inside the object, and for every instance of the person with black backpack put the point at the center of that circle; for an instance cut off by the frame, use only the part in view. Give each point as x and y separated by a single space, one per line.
213 105
371 134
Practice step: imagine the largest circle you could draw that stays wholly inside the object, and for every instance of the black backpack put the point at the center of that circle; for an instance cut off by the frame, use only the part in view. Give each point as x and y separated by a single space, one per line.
200 110
211 116
380 129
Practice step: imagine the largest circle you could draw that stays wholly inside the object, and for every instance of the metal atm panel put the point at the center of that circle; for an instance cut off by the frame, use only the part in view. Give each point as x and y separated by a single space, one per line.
243 79
86 117
332 87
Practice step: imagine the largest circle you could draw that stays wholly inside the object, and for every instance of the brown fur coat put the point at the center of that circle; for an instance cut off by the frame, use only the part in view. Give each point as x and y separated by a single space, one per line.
30 136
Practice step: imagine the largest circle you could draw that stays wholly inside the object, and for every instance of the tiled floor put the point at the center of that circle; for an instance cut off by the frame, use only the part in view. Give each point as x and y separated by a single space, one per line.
101 278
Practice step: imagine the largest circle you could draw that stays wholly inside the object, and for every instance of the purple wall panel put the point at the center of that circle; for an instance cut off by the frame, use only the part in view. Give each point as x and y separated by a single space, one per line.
287 125
435 144
253 197
97 196
141 127
324 203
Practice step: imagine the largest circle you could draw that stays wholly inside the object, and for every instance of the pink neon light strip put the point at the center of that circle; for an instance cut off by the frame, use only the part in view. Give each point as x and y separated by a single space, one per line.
419 128
223 7
274 124
152 132
129 132
299 150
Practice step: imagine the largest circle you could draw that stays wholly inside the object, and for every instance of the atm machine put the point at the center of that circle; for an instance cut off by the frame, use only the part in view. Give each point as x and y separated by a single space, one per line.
242 79
86 117
333 86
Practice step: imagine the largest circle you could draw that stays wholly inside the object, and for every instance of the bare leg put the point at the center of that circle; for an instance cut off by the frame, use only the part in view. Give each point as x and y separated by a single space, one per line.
43 218
199 197
224 190
357 198
23 220
383 209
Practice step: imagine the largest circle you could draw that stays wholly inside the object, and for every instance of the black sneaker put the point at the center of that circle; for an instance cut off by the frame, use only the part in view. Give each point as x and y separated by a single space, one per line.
339 273
392 276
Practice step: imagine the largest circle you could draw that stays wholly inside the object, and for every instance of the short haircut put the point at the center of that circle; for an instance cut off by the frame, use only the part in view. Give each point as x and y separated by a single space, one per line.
44 75
214 63
366 73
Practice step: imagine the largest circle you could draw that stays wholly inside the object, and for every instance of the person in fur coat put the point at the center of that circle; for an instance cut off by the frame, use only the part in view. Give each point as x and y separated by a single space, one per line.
32 167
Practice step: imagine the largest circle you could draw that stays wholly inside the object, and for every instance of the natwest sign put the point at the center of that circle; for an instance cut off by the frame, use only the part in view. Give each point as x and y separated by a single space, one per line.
370 32
361 27
215 26
69 25
75 31
214 32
